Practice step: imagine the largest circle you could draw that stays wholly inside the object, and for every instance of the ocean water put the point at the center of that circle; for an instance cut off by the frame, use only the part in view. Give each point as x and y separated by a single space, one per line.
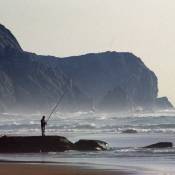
126 134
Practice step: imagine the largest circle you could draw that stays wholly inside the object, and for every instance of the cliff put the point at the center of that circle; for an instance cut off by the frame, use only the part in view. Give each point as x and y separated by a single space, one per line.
103 76
29 85
7 40
163 103
109 80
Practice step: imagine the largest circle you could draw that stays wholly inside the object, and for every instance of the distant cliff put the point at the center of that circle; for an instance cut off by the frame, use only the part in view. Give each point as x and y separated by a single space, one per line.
114 81
104 76
7 40
29 85
108 81
163 103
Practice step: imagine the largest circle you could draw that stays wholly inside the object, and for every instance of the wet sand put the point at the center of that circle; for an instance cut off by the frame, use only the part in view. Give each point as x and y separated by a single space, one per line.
45 169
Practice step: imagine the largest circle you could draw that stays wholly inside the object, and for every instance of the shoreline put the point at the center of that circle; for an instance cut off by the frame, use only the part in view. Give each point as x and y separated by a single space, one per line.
16 168
63 168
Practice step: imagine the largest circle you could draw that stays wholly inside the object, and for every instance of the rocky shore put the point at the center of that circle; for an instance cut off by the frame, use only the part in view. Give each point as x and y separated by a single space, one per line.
36 144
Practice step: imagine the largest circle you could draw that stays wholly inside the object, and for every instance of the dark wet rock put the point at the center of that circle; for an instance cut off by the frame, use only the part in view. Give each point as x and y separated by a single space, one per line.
160 145
129 131
91 145
34 144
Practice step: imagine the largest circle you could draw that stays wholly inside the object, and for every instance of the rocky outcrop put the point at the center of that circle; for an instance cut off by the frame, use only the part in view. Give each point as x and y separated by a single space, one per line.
130 131
163 103
7 40
34 144
37 144
91 145
161 145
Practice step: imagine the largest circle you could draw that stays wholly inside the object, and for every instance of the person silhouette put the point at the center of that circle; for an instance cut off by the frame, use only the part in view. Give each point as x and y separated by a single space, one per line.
43 125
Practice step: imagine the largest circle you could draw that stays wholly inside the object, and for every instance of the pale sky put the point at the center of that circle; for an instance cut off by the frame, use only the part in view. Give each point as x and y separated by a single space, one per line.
74 27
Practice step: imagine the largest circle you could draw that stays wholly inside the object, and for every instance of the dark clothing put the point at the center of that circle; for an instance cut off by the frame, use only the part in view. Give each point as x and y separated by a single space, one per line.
43 125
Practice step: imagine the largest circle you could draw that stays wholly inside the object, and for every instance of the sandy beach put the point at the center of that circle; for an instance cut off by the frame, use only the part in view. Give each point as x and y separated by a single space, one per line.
45 169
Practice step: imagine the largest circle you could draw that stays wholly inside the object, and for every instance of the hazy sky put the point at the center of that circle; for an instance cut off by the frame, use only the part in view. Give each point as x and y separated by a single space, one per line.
73 27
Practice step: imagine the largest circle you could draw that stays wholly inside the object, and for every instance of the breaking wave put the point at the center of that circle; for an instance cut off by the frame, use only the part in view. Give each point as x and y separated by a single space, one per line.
163 122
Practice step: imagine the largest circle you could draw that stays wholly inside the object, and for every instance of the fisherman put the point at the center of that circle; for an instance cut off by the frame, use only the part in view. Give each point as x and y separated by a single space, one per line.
43 125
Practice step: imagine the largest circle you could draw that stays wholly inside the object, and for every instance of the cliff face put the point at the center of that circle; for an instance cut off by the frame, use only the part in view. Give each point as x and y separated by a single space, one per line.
7 40
111 80
163 103
29 85
101 76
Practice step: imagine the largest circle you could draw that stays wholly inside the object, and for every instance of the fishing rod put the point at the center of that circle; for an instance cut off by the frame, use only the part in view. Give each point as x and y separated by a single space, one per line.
57 104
